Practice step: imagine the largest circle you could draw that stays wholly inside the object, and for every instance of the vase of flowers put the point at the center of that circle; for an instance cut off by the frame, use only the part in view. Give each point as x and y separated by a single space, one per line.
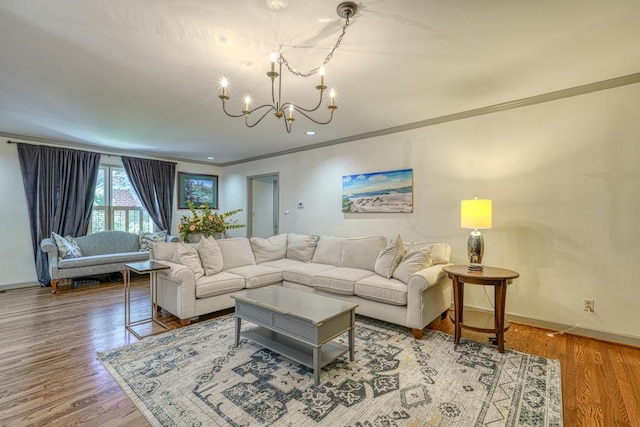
204 222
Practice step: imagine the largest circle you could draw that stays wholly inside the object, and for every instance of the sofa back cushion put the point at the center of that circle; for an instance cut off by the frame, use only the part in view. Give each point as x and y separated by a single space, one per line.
301 247
236 252
163 251
329 251
362 252
271 249
108 242
210 256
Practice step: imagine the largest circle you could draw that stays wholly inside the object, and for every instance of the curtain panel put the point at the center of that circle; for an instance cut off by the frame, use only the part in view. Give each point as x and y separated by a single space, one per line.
59 185
153 181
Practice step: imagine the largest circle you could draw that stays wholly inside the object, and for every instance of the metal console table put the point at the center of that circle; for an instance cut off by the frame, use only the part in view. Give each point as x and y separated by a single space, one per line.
144 267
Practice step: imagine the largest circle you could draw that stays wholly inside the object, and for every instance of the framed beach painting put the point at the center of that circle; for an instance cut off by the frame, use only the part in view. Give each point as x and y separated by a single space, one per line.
390 191
197 188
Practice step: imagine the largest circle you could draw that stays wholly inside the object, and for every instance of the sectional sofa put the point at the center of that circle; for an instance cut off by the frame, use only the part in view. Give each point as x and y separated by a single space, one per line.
398 282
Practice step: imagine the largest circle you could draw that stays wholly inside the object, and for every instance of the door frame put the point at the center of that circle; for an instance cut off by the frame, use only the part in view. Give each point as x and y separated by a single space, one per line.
276 201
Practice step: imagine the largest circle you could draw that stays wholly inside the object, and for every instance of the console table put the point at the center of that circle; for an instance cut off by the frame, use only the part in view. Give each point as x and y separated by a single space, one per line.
151 268
499 278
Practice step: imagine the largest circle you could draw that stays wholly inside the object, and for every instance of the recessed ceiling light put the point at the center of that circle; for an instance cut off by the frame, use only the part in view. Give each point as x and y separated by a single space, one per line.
210 158
310 132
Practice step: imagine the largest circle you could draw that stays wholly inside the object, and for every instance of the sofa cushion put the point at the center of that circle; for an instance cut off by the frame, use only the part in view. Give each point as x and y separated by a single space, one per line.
236 252
389 258
210 256
329 251
301 247
377 288
284 263
88 261
188 256
303 272
361 252
67 246
270 249
163 251
339 280
146 240
218 284
412 262
257 275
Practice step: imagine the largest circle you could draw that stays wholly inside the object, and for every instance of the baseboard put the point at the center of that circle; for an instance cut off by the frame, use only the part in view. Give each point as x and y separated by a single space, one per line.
582 332
10 286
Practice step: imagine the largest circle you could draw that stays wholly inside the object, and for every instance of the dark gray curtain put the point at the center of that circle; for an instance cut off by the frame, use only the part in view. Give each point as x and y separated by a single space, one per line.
153 181
59 184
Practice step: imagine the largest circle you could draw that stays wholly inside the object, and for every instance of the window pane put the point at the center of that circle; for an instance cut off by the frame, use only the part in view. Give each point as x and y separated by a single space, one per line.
99 196
98 221
122 193
134 221
119 220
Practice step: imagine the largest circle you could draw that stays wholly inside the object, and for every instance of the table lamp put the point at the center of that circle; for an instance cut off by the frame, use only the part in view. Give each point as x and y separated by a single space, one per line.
475 214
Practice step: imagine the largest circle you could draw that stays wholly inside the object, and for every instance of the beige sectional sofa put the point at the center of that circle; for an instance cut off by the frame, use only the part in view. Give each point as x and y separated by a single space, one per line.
398 282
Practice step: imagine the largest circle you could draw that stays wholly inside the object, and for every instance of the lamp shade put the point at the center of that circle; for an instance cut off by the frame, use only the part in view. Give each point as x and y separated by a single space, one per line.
475 213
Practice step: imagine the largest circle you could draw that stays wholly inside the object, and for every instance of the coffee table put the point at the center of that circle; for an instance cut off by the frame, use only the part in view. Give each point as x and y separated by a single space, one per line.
296 324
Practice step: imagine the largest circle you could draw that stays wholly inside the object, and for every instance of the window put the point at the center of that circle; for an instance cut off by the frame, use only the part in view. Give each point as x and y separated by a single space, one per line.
116 205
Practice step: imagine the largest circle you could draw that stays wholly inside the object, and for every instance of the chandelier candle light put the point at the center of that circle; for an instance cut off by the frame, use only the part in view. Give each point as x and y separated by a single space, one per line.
253 116
475 214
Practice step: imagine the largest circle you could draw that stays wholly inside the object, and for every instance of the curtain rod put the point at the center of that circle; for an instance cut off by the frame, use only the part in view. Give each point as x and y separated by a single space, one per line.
93 151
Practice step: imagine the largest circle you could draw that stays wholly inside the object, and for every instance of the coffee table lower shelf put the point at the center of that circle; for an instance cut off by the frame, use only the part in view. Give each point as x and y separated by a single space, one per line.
293 349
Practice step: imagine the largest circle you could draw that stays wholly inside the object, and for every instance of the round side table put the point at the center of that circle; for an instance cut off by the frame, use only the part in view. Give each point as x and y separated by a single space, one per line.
499 278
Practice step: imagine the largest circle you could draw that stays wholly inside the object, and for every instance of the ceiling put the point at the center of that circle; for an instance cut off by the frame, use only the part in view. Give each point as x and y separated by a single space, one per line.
143 76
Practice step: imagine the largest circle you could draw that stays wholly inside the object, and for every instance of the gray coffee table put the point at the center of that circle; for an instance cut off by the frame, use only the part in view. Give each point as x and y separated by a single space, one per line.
296 324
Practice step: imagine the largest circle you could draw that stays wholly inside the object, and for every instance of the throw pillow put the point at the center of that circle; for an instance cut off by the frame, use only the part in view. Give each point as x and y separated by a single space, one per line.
188 256
412 262
67 246
148 239
301 247
210 256
269 249
389 258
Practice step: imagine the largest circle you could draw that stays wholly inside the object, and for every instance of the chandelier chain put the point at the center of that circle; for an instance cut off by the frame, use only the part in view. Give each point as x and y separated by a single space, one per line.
326 60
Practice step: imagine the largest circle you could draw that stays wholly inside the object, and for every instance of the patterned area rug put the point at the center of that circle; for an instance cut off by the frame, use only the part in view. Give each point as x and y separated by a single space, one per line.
195 376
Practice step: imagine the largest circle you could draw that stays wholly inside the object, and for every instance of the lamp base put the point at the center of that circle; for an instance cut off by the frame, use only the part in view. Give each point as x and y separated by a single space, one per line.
475 250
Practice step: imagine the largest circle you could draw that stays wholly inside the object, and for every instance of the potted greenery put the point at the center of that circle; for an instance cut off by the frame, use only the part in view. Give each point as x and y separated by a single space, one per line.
205 222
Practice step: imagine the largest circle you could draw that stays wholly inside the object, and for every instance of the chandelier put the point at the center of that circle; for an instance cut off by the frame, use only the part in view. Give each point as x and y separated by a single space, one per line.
254 115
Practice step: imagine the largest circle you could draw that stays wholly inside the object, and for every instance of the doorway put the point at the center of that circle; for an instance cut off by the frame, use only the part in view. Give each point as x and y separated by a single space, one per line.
263 203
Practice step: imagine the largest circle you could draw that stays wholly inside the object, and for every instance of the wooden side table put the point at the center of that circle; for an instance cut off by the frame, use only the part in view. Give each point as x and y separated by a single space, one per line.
151 268
499 278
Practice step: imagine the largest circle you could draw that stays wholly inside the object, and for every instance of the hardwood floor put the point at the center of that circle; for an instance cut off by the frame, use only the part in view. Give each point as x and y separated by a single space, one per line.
49 374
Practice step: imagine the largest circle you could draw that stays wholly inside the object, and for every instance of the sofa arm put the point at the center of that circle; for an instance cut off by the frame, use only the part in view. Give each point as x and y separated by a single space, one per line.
179 273
49 247
426 278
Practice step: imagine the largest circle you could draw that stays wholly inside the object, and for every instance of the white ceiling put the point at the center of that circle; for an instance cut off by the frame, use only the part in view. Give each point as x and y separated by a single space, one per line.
141 76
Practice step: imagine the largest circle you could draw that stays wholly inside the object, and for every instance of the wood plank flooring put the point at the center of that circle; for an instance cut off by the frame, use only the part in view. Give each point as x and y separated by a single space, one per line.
49 374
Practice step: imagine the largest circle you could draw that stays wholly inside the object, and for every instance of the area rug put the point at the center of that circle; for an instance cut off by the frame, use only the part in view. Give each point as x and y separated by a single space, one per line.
195 376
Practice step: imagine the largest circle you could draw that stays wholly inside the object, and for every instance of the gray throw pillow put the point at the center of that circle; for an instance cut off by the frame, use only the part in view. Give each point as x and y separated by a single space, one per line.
301 247
412 262
210 256
270 249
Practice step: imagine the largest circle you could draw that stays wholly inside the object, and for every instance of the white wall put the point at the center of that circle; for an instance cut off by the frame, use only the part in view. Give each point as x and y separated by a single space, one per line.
16 255
564 180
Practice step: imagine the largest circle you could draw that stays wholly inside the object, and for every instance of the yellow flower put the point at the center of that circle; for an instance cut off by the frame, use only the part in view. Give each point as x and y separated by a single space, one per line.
191 219
192 228
179 226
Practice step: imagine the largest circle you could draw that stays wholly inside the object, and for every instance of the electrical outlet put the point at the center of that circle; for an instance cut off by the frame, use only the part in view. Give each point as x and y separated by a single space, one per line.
588 305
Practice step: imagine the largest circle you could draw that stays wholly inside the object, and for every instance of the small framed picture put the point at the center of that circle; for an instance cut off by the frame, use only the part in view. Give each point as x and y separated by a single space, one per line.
197 188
